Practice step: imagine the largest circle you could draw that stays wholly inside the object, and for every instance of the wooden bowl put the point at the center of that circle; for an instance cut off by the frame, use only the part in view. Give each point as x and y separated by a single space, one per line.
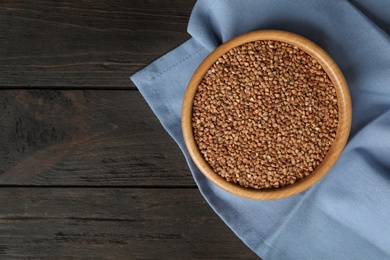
342 132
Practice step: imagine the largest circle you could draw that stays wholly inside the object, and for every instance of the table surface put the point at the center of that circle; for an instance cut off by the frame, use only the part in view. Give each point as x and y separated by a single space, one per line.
86 170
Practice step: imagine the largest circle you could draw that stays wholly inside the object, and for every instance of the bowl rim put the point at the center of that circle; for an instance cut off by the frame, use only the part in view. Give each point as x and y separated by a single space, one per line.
344 113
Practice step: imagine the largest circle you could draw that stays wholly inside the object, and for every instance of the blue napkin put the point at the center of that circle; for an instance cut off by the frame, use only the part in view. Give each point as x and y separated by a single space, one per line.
347 214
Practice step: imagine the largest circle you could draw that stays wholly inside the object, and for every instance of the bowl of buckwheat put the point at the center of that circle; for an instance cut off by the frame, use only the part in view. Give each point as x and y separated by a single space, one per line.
266 115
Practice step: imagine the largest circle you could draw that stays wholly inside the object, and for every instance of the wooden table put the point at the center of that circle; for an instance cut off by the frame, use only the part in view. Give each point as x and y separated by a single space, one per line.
86 169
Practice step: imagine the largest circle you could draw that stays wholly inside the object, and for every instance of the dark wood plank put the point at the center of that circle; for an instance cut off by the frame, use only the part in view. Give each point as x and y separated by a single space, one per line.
80 170
121 223
87 138
85 43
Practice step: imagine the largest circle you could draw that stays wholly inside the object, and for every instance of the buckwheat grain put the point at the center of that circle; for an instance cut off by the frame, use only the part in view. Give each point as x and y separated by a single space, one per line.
265 115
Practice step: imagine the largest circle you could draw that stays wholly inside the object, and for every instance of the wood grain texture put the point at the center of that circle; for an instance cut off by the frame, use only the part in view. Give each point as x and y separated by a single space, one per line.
75 137
344 113
85 43
91 174
49 223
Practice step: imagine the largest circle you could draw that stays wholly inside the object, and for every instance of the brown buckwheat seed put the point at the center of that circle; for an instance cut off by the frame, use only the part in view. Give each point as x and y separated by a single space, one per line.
265 115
